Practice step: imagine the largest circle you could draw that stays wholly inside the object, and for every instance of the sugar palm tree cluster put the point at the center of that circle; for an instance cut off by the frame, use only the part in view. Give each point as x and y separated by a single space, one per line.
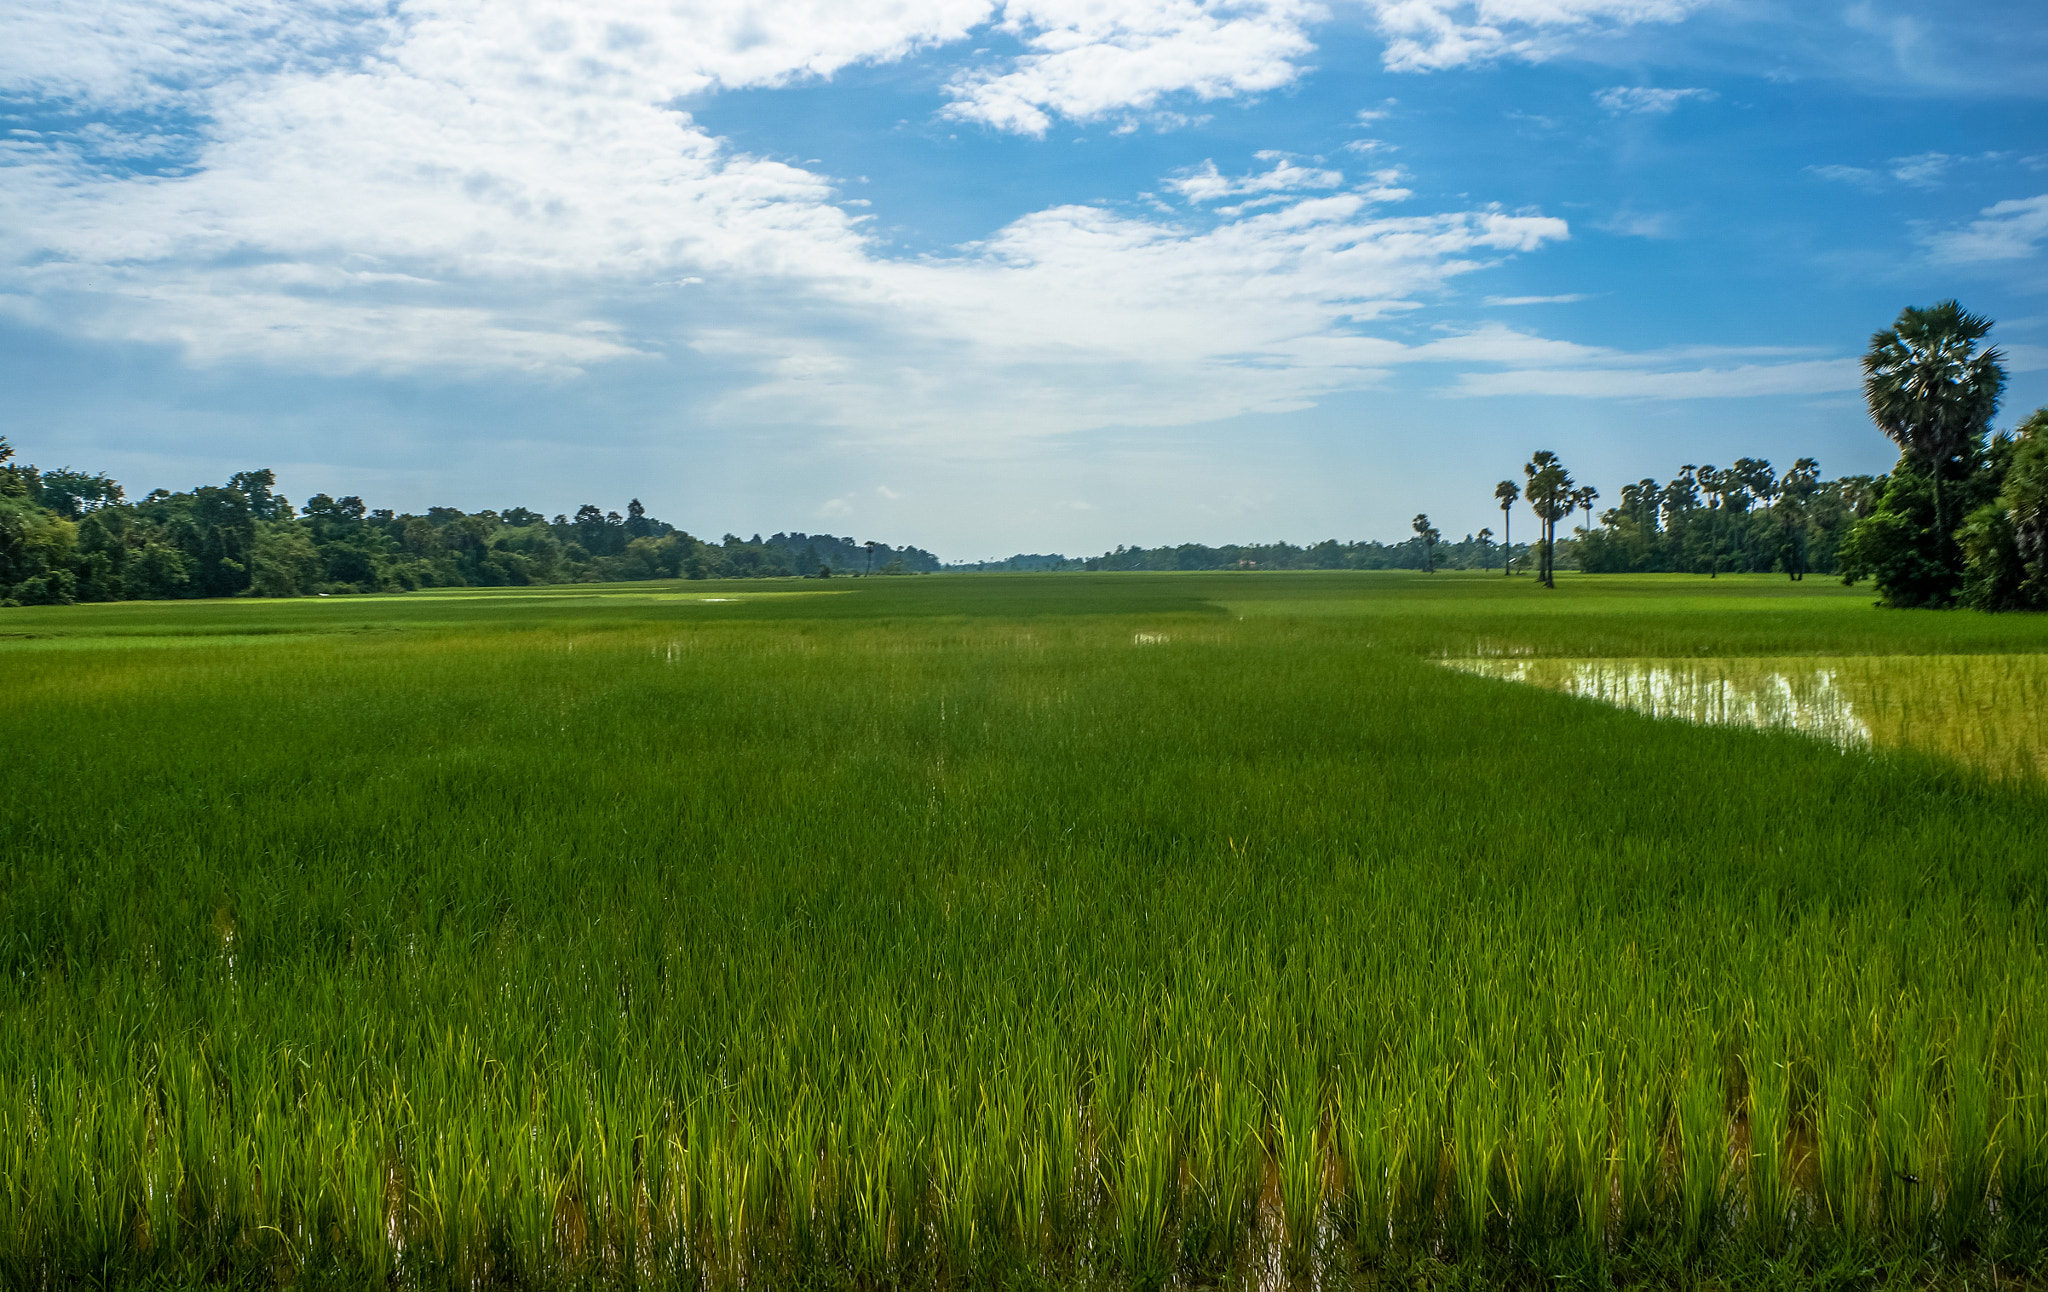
1959 520
1962 519
1553 497
1430 536
1932 392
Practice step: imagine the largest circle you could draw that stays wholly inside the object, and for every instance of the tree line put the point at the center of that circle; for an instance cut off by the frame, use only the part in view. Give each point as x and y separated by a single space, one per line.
1746 518
1422 552
1960 520
72 536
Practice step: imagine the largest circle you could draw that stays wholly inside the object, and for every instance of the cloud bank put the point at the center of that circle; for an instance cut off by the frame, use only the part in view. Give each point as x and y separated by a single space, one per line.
1431 35
450 186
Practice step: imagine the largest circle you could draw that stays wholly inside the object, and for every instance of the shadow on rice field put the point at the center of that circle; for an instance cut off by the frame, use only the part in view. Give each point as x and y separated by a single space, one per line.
1015 931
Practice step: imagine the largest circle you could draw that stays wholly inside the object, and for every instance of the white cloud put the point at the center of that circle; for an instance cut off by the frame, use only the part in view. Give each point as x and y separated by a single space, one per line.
1921 170
337 336
1090 60
1859 175
480 156
2010 230
473 188
1534 365
1637 224
1643 100
1079 317
1568 298
1205 184
1429 35
1811 377
1924 170
122 54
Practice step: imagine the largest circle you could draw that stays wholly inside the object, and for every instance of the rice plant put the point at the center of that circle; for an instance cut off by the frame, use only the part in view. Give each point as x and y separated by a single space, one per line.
939 933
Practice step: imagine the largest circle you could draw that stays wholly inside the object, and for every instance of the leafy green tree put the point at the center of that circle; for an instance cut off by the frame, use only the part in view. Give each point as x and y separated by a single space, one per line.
72 494
2005 541
102 556
637 524
36 544
158 571
1894 545
2026 499
284 562
227 530
256 486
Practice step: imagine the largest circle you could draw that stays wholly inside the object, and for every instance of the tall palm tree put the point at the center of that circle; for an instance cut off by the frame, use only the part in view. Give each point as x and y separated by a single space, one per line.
1582 499
1507 491
1429 534
1755 480
1933 393
1714 483
1681 497
1794 489
1549 492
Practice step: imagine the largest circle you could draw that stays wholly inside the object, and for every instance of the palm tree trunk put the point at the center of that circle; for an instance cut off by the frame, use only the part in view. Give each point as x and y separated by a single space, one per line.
1507 540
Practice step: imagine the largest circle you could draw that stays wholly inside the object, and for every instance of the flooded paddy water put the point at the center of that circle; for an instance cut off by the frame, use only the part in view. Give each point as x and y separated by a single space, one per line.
1989 711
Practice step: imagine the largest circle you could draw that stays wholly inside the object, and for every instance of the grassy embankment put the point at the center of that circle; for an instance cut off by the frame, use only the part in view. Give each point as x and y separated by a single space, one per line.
963 930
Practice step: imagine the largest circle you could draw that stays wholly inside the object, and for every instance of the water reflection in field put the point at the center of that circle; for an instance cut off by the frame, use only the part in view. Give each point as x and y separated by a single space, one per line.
1987 710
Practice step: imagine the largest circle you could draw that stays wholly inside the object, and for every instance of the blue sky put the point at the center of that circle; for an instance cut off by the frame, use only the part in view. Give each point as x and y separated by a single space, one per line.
989 277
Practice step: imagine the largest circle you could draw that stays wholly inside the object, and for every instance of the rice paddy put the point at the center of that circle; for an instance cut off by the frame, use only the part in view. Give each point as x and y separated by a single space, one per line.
1061 931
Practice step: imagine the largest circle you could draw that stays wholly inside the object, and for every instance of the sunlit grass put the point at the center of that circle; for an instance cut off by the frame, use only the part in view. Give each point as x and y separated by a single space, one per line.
998 931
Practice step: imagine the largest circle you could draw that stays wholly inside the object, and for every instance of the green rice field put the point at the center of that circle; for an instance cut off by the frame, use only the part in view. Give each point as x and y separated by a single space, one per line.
1012 931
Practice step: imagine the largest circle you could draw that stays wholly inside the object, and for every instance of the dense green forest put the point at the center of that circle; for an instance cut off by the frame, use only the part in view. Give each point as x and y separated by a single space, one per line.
69 536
